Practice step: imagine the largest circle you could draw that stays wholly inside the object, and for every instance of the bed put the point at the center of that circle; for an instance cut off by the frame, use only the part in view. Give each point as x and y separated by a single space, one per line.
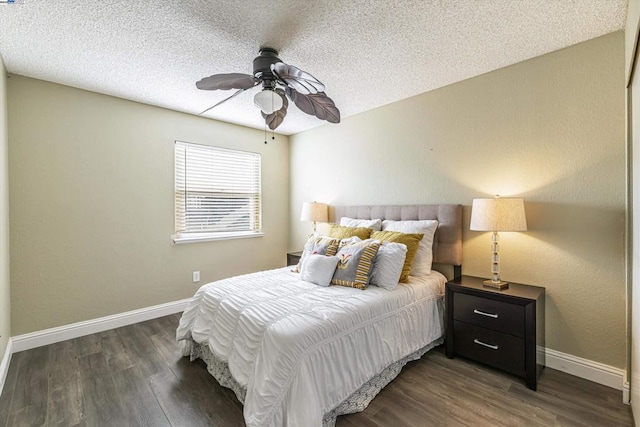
297 354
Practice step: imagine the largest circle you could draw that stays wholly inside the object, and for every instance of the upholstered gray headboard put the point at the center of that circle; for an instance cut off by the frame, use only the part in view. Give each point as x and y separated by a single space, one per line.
447 242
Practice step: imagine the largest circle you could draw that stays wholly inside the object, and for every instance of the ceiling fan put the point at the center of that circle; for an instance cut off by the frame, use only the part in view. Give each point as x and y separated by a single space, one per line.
279 81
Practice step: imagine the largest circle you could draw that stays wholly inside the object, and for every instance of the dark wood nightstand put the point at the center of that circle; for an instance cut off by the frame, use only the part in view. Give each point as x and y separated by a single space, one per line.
500 328
293 258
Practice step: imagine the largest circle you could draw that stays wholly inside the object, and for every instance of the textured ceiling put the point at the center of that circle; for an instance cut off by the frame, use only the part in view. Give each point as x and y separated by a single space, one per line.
367 53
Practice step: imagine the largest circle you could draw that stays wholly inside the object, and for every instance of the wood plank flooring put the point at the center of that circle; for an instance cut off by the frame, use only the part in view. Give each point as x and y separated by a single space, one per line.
135 376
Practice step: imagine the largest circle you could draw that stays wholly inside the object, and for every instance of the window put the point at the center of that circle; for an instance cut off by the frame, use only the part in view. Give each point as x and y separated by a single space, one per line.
217 193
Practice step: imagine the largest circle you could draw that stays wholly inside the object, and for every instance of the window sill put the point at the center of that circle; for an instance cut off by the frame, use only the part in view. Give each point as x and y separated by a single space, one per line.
206 237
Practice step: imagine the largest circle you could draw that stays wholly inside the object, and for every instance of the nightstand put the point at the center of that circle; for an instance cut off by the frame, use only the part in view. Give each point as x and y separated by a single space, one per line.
500 328
293 258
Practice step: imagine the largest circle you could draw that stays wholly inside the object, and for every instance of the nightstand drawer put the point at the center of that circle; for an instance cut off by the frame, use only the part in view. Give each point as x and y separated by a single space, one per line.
498 327
490 347
497 315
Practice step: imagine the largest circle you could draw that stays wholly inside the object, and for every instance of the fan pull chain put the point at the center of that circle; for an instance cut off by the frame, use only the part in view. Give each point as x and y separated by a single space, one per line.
265 132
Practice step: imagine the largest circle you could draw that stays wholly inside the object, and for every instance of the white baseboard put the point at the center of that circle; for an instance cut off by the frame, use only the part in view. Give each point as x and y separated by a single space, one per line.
588 369
4 364
88 327
577 366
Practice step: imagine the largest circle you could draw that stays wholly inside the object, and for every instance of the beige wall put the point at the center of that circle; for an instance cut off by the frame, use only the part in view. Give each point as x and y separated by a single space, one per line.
5 307
91 191
633 139
552 130
632 25
634 304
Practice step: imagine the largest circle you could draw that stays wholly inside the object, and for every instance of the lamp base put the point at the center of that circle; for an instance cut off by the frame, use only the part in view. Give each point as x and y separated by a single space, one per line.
497 285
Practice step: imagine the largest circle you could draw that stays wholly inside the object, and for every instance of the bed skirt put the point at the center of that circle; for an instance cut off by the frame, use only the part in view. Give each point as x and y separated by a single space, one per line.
356 402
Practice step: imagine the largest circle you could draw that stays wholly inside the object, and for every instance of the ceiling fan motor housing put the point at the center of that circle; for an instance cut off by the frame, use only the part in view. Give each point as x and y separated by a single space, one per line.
262 63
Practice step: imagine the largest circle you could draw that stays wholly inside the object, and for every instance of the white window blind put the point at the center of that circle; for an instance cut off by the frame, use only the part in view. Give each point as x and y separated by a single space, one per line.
217 192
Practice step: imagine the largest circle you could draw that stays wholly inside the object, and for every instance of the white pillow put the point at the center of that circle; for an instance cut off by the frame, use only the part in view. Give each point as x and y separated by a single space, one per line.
317 245
424 255
319 269
374 224
387 265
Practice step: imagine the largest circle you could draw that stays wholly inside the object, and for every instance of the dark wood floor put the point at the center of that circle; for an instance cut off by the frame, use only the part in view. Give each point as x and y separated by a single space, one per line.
134 376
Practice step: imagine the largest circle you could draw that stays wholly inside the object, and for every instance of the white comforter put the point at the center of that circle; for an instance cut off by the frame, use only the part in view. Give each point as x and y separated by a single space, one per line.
301 349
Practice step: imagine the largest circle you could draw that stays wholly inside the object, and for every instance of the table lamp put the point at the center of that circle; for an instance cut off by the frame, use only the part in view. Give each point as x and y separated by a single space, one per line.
314 211
497 214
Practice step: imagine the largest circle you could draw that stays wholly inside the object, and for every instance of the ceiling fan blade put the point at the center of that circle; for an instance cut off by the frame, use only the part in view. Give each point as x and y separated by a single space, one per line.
315 104
301 86
226 82
236 93
299 80
276 118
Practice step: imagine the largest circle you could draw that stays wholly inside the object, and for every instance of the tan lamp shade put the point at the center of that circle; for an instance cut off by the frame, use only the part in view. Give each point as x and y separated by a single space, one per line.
314 211
498 214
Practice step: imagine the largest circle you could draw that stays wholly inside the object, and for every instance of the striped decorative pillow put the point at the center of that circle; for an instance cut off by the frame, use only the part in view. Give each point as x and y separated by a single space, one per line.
354 264
317 245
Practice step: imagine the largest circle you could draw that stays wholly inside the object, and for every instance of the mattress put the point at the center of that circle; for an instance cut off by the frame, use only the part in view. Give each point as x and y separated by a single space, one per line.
300 350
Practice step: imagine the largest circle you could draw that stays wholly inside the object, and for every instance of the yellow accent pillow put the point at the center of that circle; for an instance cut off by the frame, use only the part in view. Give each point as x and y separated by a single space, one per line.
412 241
341 232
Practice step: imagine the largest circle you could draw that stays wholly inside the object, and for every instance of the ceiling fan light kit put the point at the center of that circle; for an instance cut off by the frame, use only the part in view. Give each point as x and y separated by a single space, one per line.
268 101
279 81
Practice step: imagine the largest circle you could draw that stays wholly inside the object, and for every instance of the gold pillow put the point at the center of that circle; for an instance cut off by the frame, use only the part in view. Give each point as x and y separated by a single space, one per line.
341 232
412 241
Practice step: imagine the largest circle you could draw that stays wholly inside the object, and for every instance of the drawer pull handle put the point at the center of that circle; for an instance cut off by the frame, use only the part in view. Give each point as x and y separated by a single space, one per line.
492 347
495 316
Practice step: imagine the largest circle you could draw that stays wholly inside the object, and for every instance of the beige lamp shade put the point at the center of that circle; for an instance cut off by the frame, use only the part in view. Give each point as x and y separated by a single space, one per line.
498 214
314 211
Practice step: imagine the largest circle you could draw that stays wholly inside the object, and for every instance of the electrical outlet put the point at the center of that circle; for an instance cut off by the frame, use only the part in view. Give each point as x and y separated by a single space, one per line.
196 276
